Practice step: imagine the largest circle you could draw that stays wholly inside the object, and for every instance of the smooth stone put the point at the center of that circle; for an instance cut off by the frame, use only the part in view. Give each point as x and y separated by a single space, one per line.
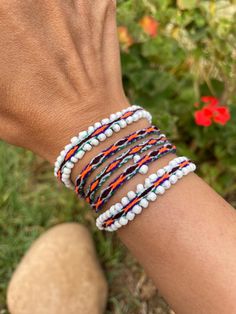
59 274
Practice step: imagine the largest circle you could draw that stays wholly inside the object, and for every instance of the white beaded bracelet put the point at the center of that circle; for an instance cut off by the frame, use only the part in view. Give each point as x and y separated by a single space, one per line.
66 169
151 196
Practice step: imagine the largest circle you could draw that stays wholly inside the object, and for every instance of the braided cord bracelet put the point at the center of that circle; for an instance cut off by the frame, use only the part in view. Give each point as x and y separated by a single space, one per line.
156 184
132 204
129 173
122 160
87 139
108 152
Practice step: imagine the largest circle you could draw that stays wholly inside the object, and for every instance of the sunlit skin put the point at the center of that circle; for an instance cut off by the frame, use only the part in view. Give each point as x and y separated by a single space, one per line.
60 72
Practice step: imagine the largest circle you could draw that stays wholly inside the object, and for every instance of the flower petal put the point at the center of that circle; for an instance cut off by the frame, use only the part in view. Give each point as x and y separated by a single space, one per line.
202 117
211 100
221 115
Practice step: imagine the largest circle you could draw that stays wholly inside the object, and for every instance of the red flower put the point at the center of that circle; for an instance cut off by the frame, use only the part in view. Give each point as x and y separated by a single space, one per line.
203 117
221 115
211 112
149 25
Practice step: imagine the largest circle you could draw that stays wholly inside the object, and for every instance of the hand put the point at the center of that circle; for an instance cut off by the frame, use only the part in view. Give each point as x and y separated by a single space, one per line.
60 70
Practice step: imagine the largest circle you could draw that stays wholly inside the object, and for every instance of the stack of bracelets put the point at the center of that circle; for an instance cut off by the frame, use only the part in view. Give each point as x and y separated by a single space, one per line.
132 146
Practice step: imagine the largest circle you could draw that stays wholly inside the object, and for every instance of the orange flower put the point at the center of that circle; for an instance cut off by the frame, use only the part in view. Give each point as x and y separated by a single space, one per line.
125 38
149 25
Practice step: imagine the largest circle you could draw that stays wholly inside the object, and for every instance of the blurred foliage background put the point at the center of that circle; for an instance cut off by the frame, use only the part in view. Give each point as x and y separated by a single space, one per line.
173 53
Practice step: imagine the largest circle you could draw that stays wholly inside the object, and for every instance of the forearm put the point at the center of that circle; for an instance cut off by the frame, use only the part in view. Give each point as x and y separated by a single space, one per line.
186 240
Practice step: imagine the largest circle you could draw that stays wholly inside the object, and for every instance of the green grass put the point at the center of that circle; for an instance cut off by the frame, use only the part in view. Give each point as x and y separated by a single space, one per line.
31 201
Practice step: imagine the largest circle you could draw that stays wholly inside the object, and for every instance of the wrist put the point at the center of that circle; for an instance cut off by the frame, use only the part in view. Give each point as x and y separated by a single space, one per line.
70 122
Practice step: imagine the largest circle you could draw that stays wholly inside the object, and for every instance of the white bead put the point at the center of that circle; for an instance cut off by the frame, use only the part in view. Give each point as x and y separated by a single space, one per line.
112 117
102 137
90 129
129 120
153 177
173 163
116 127
66 170
94 142
105 121
99 225
179 174
135 117
149 117
151 196
193 167
144 203
189 168
185 171
65 176
113 227
139 188
166 184
87 147
117 224
108 132
83 134
123 221
74 140
68 147
178 160
124 201
130 216
99 220
57 165
112 210
69 165
118 114
122 123
160 190
182 158
143 169
173 179
68 185
60 159
97 125
139 114
143 114
167 168
137 209
136 158
62 154
74 159
107 214
118 207
131 195
160 172
148 183
80 154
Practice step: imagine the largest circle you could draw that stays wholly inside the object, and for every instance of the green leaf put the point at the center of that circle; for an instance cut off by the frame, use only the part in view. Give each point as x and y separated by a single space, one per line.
187 4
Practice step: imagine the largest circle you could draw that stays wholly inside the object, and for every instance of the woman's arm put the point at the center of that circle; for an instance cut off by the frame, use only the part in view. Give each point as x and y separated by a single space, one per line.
60 72
186 241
